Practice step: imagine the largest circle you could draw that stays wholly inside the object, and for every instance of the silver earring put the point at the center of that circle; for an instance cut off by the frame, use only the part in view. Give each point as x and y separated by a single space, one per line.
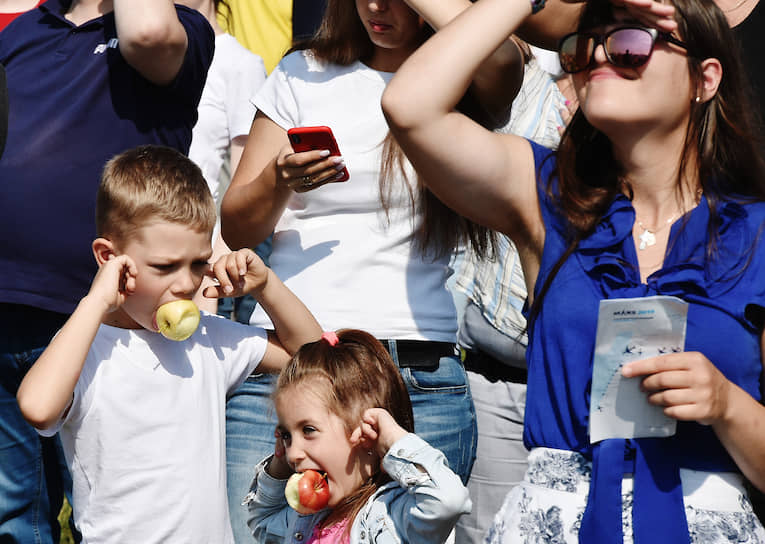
369 452
698 99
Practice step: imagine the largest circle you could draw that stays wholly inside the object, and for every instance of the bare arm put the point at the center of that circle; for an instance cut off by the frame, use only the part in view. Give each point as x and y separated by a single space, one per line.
690 388
293 323
467 167
742 435
499 77
559 17
242 272
254 201
268 173
151 38
46 391
546 28
742 431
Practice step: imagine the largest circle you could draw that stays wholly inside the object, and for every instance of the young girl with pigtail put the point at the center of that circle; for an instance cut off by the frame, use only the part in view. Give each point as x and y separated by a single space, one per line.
344 412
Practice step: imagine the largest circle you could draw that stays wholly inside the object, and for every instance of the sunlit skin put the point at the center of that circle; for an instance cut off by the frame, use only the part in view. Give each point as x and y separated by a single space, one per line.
643 112
315 438
393 27
621 102
617 100
170 260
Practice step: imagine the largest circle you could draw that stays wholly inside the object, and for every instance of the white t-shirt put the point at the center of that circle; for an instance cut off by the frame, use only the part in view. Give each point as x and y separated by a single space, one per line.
334 247
225 110
145 436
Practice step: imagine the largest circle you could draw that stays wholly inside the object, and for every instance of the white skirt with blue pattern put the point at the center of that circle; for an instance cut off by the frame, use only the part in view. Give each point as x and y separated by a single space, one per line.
547 507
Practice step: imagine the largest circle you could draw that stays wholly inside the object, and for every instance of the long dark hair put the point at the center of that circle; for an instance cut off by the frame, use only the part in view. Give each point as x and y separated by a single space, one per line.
342 39
351 376
723 138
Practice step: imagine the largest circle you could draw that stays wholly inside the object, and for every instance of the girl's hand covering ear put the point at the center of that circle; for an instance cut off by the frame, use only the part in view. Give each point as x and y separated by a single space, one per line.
377 430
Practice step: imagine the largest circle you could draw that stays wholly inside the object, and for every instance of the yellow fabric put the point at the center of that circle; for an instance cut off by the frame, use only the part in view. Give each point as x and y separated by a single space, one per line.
262 26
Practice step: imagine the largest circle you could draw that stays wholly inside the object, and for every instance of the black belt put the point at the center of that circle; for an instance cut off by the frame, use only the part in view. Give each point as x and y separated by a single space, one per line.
418 354
492 369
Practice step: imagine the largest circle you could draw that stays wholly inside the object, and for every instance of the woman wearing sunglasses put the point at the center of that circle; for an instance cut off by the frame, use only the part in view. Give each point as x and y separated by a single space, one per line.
656 189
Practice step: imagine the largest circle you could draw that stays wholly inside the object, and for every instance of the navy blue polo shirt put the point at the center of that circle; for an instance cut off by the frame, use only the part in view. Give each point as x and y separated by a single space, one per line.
74 103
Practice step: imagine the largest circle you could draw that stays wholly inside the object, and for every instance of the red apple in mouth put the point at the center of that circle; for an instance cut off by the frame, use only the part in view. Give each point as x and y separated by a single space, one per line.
307 492
177 320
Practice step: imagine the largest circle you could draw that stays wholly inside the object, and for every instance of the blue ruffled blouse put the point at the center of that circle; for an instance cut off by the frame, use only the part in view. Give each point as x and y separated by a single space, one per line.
721 292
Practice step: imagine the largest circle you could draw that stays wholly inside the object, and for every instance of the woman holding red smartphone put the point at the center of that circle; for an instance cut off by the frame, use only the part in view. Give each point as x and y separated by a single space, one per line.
368 252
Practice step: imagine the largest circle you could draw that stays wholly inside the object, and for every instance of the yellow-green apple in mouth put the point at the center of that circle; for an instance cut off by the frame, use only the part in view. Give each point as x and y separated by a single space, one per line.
177 320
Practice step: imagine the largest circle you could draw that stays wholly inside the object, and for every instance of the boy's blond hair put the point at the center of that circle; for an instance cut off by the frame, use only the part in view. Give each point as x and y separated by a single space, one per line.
152 182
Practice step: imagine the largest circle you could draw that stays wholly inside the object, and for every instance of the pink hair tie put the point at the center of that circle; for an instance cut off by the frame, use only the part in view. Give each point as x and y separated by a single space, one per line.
330 338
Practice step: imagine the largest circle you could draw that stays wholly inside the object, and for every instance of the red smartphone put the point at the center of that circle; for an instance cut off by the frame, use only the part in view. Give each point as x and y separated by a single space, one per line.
309 138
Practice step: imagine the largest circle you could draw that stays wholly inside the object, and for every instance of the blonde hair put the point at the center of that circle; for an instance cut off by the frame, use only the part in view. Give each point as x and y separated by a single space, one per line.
152 182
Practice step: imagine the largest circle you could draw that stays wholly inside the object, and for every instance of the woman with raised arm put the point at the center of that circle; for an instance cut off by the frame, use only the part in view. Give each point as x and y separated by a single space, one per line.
657 188
746 18
373 251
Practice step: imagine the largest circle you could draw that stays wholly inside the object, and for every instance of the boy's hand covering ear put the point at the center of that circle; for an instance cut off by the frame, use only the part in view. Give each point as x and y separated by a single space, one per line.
238 273
114 282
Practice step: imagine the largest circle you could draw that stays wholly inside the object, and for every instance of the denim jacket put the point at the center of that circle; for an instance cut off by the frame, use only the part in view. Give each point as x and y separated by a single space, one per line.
417 507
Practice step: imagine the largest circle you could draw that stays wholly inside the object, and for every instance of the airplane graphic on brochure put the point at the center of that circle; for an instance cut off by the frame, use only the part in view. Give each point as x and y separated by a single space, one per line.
629 330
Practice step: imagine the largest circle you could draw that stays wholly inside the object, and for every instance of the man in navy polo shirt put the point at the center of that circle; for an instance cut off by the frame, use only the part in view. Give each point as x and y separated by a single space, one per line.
87 79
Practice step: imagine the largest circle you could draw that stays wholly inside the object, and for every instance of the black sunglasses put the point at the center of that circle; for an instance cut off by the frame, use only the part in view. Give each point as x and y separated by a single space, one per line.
625 47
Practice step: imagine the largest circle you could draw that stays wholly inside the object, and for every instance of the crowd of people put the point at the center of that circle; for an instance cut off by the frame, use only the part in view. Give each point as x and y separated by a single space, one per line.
425 333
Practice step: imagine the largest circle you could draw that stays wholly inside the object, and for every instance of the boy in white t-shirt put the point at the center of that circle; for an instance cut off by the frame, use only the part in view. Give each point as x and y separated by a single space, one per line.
142 417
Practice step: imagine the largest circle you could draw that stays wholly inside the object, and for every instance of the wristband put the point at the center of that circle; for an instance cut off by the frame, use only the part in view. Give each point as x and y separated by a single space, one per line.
537 5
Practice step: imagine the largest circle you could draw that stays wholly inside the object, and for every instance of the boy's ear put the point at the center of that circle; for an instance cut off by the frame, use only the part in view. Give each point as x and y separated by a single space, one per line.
103 250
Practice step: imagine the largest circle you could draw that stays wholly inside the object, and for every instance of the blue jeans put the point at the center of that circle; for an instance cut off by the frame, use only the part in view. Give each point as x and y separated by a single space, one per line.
250 424
443 415
33 474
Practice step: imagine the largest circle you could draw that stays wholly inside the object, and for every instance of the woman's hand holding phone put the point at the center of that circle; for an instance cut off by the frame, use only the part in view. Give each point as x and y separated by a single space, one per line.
312 159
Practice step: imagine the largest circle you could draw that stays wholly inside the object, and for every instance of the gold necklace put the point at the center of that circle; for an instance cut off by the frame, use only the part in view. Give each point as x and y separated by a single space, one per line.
648 236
